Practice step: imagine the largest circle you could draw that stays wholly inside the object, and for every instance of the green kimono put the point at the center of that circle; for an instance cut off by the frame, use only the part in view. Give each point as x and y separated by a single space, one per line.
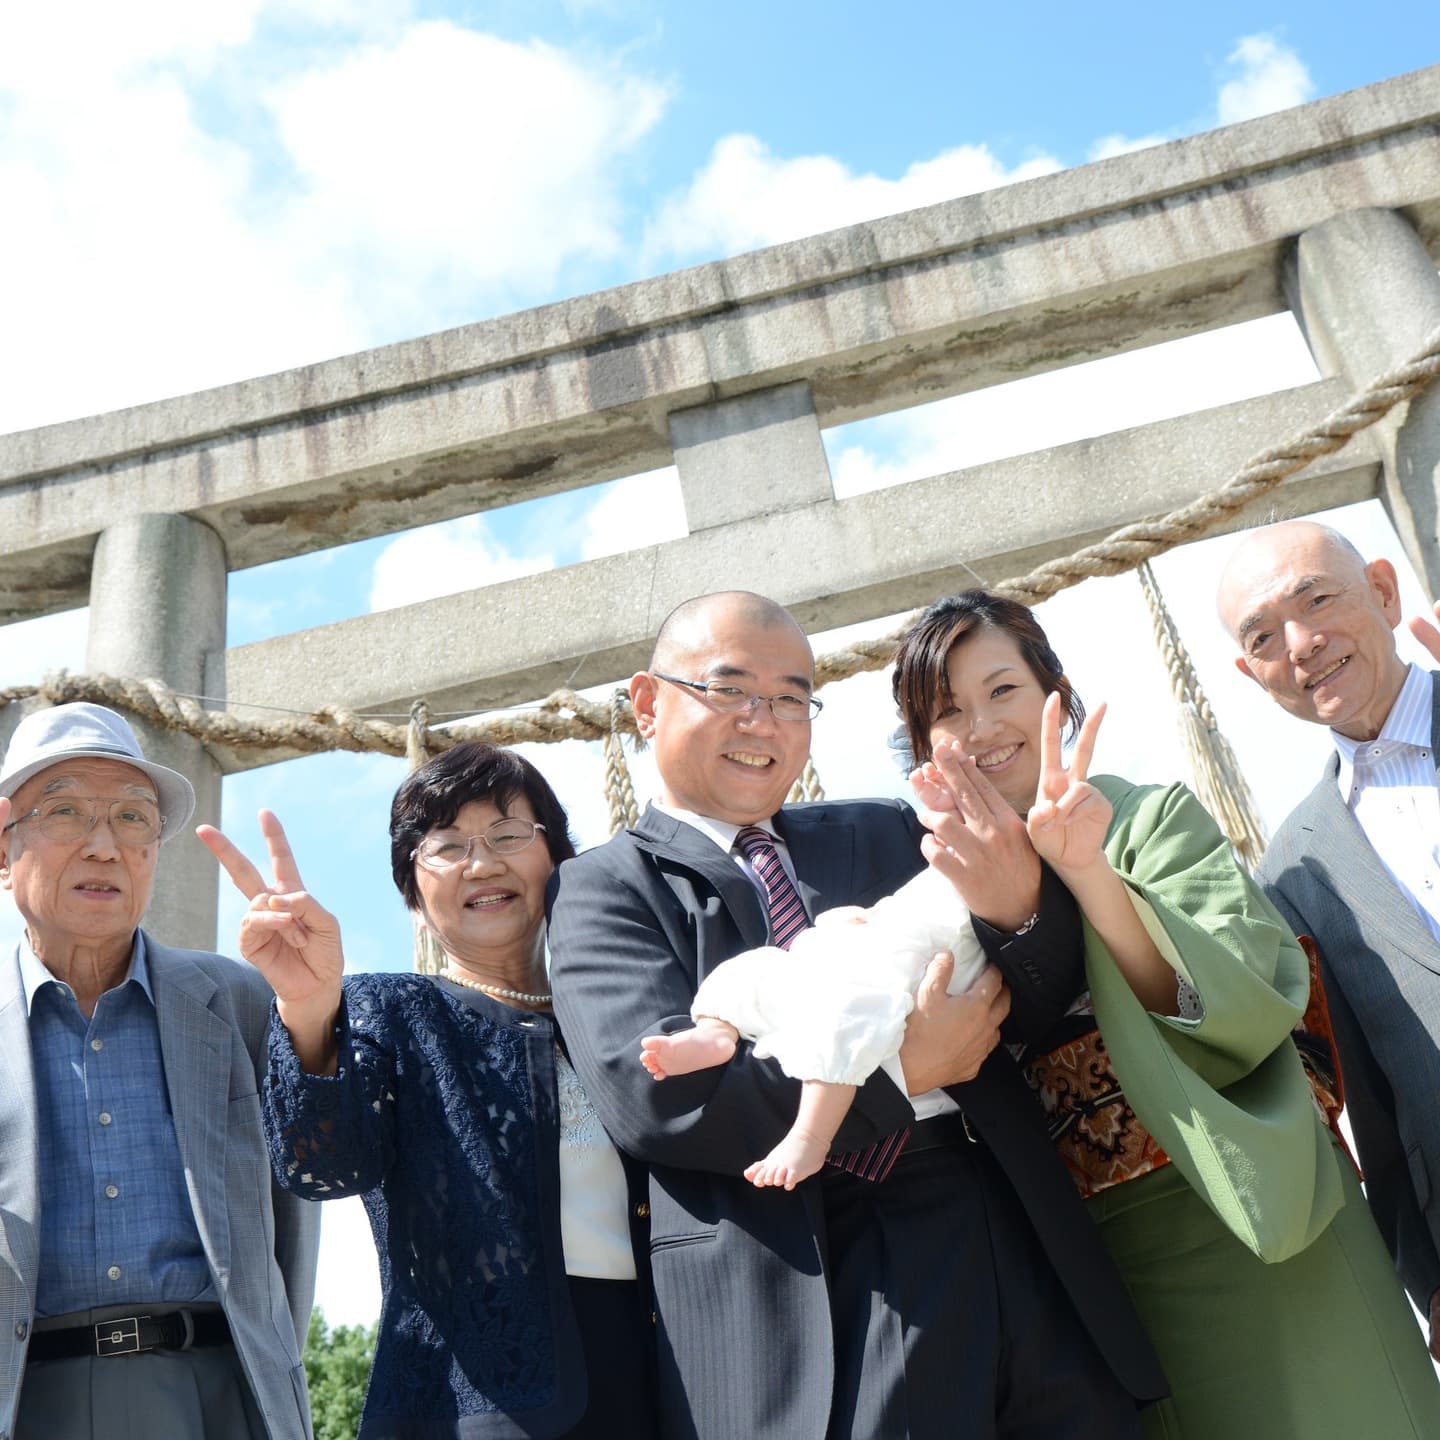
1252 1258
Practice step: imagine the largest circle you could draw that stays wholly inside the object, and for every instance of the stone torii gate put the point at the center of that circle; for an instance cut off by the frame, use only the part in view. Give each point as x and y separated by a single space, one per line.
729 370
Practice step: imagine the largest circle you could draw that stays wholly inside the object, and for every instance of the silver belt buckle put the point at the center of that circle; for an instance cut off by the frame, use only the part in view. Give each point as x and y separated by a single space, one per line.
118 1337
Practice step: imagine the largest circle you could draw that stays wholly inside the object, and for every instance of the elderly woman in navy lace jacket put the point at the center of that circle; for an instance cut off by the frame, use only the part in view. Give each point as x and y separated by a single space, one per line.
499 1207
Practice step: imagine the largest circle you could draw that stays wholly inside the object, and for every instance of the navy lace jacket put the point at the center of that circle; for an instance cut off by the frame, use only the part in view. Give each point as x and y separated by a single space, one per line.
443 1116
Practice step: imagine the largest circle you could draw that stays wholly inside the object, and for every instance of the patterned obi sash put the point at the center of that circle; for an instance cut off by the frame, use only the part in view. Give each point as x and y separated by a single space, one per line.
1098 1135
1096 1132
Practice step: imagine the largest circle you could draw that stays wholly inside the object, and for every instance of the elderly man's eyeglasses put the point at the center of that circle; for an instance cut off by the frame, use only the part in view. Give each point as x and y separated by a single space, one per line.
68 818
504 837
731 699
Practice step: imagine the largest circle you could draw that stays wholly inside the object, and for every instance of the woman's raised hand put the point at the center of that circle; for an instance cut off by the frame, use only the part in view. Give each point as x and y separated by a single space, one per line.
286 933
976 840
1068 821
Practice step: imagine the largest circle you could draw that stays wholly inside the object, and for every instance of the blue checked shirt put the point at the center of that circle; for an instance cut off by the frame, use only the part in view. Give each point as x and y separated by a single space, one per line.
116 1223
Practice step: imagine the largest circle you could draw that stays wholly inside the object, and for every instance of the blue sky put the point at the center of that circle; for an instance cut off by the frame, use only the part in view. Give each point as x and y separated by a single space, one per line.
197 194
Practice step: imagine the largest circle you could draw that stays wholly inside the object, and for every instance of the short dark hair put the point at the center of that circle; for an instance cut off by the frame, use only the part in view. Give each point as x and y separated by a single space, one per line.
921 684
431 797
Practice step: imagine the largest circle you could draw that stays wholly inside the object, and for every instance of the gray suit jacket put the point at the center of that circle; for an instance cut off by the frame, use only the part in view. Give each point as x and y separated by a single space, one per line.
1381 968
260 1242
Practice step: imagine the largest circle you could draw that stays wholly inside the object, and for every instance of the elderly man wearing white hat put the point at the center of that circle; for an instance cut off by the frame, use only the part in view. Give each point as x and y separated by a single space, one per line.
152 1283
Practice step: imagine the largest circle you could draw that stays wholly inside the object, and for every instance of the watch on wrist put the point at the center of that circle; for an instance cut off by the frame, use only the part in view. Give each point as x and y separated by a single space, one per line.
1030 924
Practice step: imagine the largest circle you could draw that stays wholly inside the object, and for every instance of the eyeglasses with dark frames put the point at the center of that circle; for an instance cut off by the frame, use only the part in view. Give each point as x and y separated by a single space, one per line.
731 699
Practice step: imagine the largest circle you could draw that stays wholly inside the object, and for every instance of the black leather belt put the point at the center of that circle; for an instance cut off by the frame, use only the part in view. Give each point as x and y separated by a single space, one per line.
938 1131
131 1335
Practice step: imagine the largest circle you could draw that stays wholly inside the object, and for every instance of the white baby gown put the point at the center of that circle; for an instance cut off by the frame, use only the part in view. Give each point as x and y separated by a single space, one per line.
833 1005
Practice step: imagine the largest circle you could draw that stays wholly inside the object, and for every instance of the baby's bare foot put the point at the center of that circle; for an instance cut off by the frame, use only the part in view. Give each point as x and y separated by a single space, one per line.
686 1051
797 1157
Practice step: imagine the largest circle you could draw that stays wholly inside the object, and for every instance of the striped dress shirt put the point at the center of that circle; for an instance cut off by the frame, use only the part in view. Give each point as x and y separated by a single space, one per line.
1390 787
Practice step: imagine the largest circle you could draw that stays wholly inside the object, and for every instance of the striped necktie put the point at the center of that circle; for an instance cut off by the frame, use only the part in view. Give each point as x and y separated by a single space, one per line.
787 910
787 920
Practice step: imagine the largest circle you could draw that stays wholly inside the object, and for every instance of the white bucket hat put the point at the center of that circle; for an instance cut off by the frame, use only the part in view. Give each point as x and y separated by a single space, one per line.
70 732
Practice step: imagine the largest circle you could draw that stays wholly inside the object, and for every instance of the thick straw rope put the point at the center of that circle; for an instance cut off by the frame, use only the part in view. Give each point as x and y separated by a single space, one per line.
1219 781
566 716
807 784
619 792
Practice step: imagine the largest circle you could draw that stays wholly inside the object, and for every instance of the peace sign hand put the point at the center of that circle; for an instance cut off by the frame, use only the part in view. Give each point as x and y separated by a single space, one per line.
286 933
1068 821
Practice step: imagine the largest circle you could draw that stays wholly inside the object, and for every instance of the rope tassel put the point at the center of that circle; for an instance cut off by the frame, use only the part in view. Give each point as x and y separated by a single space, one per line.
1219 781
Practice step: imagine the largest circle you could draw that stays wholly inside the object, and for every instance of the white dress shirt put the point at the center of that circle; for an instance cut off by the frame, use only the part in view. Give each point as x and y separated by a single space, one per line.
722 834
1390 787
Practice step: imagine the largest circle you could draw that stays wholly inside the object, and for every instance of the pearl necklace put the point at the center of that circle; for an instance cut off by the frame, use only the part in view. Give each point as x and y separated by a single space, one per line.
499 991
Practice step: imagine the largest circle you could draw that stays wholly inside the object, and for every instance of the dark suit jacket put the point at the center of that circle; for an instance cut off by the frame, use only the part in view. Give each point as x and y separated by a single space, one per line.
740 1291
1381 969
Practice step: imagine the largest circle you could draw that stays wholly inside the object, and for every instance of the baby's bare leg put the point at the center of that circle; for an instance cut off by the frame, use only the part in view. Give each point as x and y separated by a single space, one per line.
710 1043
802 1152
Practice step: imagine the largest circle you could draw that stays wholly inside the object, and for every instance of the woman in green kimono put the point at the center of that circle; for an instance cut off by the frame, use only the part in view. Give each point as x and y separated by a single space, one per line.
1176 1093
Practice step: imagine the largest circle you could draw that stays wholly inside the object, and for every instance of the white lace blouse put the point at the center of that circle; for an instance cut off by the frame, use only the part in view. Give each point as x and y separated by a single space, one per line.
593 1199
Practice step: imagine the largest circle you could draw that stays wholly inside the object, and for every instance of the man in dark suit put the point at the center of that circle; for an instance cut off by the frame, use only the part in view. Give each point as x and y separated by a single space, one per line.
967 1292
1356 866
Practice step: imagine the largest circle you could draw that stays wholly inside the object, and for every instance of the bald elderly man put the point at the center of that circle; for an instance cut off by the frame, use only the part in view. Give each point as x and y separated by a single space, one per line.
153 1284
1356 866
956 1290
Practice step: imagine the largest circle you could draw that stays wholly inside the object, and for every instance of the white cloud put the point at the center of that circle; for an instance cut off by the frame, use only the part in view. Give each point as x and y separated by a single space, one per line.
1270 78
48 46
632 513
446 559
1266 77
207 203
746 196
453 160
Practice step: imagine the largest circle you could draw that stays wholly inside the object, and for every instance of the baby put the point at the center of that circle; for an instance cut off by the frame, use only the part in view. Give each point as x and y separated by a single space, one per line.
830 1008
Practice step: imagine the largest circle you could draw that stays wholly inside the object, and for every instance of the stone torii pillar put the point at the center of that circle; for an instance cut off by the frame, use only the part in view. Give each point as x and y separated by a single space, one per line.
1366 294
157 611
753 455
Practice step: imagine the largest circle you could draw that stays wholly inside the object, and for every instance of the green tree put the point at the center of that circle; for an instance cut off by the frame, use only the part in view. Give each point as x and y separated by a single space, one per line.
337 1364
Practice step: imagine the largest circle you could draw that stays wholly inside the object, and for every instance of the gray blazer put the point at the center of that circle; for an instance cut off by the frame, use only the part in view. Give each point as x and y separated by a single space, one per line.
1381 969
260 1242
